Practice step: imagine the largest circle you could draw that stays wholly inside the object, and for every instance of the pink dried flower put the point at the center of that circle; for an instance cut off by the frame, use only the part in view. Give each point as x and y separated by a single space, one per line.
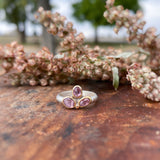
32 82
43 82
144 80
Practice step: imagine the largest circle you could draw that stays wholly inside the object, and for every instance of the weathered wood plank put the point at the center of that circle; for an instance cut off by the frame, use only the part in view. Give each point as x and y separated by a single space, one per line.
122 125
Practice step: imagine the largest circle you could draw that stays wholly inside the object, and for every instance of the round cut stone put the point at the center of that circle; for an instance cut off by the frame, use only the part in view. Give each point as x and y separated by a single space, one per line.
69 102
84 102
77 92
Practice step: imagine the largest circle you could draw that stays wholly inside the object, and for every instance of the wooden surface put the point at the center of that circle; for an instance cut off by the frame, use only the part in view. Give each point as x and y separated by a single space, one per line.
121 126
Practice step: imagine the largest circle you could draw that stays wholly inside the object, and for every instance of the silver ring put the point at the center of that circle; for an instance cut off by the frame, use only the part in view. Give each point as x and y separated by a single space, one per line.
77 98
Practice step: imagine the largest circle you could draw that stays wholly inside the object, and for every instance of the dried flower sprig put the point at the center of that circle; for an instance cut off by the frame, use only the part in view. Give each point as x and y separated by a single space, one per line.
144 80
77 61
44 69
72 45
147 40
57 25
141 77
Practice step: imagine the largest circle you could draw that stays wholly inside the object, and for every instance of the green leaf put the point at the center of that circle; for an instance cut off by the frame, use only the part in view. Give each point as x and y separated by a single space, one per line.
123 55
115 77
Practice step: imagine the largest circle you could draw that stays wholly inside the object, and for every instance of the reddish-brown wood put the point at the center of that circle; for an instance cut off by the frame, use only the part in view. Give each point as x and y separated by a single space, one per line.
121 126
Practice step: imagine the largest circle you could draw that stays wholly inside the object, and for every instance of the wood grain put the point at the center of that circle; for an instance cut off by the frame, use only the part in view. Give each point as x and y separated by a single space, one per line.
121 126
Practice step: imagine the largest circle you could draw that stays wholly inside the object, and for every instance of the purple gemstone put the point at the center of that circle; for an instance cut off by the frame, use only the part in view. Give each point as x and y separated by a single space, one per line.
69 102
77 92
84 102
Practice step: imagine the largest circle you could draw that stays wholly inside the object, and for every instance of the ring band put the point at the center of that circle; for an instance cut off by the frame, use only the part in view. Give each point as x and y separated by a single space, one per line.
76 98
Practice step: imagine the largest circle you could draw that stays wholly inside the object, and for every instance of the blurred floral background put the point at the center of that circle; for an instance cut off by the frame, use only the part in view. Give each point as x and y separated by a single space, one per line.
18 23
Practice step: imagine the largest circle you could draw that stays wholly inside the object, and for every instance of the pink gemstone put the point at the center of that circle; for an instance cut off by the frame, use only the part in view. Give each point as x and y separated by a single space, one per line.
69 102
84 102
77 92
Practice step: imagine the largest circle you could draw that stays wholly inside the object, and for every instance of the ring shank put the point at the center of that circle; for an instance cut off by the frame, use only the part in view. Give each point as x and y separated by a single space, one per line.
64 94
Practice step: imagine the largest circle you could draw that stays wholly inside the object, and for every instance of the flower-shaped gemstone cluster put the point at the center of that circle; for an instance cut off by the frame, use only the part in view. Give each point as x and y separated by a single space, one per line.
77 100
